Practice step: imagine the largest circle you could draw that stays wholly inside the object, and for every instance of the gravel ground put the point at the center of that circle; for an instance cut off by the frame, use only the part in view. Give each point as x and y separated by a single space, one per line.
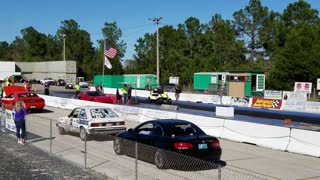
28 162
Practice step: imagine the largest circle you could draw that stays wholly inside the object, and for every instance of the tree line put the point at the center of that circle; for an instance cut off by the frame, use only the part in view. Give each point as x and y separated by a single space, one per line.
285 45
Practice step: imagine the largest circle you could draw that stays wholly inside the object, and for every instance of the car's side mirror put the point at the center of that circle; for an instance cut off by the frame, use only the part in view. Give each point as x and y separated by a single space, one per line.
130 130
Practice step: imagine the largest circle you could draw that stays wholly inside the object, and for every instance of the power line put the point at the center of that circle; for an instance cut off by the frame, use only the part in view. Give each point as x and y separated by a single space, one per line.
135 27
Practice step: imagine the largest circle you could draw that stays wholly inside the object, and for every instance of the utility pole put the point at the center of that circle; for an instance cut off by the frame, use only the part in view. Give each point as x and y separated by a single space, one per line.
157 21
64 46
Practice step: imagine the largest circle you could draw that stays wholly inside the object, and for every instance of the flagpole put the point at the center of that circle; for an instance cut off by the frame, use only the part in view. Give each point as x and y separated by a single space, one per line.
104 48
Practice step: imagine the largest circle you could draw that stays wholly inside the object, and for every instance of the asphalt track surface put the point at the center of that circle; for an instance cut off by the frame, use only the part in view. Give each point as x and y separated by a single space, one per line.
244 161
29 163
256 115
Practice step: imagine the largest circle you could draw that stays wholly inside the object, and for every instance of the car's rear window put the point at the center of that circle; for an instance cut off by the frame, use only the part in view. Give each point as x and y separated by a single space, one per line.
102 113
28 95
94 93
183 130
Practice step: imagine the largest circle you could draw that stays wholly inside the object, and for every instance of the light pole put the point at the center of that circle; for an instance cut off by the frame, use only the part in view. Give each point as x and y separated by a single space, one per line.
64 46
157 20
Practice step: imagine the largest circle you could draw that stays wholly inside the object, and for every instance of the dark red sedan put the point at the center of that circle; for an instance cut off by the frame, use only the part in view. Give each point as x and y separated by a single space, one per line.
95 96
13 93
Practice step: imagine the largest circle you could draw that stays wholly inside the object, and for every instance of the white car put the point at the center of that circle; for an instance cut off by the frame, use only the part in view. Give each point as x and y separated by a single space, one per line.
88 120
50 81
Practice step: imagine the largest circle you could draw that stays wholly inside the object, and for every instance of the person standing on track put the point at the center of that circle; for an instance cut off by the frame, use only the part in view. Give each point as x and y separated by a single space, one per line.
19 114
124 90
77 87
46 88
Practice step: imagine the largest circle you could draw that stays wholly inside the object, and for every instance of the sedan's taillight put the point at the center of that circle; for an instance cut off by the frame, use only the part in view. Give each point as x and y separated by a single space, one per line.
120 123
183 145
216 143
94 125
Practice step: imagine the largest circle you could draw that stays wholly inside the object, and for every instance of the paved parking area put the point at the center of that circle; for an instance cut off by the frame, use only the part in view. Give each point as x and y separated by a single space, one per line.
28 162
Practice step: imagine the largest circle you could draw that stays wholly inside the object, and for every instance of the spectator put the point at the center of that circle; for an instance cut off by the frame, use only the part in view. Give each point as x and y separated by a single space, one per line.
124 90
177 92
77 87
46 88
27 86
1 90
19 114
101 87
129 94
7 82
118 97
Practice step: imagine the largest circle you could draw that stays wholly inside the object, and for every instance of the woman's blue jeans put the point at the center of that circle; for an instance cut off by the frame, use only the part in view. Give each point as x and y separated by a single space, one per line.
20 125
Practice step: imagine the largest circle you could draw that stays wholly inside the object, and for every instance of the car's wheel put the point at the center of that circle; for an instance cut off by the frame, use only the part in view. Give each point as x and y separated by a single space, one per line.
160 159
159 101
117 146
169 101
61 131
83 134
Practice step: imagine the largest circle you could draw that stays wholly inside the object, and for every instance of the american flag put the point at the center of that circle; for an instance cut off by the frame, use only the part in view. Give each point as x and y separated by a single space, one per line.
110 52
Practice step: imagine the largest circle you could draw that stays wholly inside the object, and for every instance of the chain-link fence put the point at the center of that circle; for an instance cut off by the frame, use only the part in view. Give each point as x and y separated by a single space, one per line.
2 121
132 161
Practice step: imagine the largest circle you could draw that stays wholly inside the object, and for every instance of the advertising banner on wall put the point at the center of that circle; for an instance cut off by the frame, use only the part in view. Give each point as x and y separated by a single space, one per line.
238 101
303 87
301 96
271 94
266 103
10 125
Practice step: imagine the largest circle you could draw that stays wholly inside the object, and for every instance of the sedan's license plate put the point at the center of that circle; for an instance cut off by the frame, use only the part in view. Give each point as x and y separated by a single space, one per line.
108 124
32 106
202 146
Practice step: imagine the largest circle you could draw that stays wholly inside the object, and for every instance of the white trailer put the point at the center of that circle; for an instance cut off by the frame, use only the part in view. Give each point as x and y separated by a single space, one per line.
7 69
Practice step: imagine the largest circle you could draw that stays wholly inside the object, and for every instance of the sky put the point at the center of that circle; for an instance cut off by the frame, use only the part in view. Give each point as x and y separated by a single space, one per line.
131 16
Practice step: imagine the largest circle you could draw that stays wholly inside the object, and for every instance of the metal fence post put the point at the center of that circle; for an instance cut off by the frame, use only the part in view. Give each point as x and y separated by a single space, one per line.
219 171
85 152
2 121
136 159
50 136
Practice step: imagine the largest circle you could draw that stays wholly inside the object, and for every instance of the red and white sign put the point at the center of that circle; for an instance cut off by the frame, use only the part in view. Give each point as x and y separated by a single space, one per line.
303 87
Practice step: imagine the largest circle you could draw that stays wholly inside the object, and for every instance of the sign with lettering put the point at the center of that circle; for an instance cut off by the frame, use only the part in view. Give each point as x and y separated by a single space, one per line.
303 87
266 103
271 94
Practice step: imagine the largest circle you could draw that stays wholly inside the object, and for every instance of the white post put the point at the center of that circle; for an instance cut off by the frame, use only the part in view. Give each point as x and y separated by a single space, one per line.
104 48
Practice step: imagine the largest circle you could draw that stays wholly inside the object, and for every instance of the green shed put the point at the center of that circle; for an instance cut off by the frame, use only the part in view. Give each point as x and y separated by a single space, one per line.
210 80
137 81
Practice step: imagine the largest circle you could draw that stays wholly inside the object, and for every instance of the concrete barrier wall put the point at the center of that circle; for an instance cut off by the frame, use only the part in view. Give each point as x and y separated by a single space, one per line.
305 142
300 105
275 137
149 114
260 134
210 125
226 112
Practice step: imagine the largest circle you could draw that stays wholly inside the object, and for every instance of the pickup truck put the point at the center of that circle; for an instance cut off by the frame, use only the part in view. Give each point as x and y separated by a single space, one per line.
50 81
